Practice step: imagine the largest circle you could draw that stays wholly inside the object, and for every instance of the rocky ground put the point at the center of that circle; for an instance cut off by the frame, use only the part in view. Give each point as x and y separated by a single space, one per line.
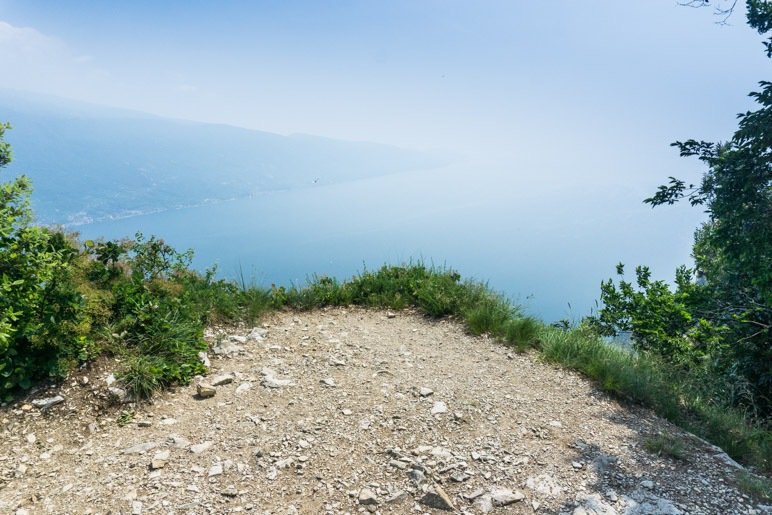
354 411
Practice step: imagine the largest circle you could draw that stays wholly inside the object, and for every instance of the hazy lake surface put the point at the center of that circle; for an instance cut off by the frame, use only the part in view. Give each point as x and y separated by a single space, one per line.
545 245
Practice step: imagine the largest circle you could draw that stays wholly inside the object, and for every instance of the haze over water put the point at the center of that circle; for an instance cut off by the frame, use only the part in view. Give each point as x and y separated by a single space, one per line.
544 255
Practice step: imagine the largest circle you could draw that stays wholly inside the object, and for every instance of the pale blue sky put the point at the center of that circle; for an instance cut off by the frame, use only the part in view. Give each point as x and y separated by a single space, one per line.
495 77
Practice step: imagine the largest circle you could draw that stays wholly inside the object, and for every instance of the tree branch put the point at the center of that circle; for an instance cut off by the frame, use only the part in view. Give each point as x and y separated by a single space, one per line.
723 12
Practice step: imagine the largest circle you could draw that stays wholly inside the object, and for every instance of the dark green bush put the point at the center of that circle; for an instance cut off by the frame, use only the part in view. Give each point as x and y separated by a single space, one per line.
43 323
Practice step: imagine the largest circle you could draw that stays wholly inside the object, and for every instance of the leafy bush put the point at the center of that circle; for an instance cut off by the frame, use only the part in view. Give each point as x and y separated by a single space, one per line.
59 298
42 314
732 249
327 291
657 318
671 326
393 287
440 294
161 324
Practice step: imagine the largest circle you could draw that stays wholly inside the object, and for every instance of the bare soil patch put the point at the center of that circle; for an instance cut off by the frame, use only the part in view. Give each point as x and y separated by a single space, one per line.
348 411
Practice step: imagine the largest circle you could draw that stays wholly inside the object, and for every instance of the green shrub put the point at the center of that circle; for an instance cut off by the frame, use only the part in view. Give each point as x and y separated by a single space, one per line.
392 287
254 303
43 322
658 319
327 291
439 294
160 316
689 329
213 301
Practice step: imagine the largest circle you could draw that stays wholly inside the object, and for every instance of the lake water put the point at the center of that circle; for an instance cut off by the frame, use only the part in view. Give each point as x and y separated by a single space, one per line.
545 245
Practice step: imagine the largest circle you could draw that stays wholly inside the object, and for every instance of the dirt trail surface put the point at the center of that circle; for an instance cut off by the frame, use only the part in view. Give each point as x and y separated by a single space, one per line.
354 411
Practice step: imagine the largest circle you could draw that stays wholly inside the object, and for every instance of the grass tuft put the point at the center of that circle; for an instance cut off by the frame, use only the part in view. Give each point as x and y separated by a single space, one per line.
672 393
491 315
141 377
752 484
522 333
666 445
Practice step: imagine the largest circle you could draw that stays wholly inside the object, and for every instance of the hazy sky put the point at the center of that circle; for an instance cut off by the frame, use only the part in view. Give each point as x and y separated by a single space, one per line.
508 77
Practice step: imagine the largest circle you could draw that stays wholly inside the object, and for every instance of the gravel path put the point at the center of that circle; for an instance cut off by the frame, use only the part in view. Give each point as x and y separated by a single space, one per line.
356 411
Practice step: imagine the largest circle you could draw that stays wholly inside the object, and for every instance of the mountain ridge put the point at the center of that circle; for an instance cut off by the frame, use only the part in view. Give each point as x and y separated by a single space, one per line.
91 163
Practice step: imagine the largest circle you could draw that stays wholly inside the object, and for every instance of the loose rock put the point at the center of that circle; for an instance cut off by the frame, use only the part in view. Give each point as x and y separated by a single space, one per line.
118 395
205 390
505 497
437 498
367 497
243 388
417 477
199 448
272 382
593 504
140 448
544 484
160 459
398 496
222 379
44 404
439 407
229 491
257 334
